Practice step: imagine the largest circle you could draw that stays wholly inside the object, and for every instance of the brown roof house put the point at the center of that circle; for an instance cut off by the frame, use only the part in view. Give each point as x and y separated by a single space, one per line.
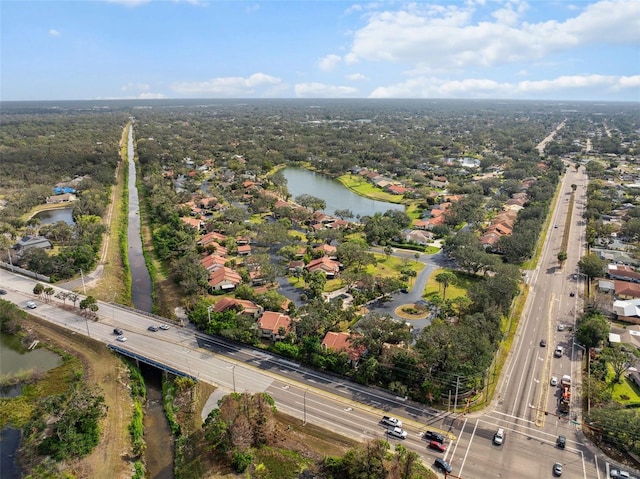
241 306
274 326
623 273
328 266
224 279
213 262
341 342
626 290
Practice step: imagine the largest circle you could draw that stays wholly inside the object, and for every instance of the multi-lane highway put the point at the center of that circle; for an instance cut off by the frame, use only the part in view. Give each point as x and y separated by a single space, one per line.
523 395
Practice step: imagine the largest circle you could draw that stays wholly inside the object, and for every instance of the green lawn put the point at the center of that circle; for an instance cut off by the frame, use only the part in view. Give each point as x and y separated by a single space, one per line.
625 392
459 288
362 187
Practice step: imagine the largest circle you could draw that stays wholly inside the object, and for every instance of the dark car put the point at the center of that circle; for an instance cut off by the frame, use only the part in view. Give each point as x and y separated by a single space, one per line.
153 328
3 291
561 442
117 331
434 436
572 294
543 343
443 465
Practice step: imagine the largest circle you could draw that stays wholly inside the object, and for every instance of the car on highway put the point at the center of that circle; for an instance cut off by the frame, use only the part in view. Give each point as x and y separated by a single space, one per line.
557 469
558 352
443 465
3 291
397 432
434 436
575 276
561 442
121 338
31 305
543 343
117 331
554 381
391 421
153 328
561 327
572 294
438 446
164 327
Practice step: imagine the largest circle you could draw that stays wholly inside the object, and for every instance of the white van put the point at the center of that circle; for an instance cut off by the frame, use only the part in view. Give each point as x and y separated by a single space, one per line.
498 437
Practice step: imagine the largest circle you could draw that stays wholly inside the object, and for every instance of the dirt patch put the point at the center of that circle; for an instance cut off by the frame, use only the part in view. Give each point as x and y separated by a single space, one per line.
110 458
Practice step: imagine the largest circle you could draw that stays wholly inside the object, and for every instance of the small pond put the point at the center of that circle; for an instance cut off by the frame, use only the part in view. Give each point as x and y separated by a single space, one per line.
49 217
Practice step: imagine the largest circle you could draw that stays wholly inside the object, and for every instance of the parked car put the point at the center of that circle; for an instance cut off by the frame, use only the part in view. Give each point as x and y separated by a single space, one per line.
31 305
164 327
561 327
121 338
117 331
561 442
557 469
443 465
3 291
438 446
391 421
397 432
554 381
618 474
498 437
434 436
153 328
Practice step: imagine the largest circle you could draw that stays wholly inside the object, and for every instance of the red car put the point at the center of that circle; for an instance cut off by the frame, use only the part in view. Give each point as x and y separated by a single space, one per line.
438 446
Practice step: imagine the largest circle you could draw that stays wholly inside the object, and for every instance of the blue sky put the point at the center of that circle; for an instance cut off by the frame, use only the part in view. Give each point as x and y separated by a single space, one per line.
145 49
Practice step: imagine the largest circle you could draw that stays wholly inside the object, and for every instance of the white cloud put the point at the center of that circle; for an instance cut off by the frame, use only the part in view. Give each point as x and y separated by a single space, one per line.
151 96
321 90
329 62
433 38
258 85
135 87
54 33
356 77
576 85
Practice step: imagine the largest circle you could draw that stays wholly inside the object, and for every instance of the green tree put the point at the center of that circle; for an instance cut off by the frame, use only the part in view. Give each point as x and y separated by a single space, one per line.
444 279
620 359
592 330
562 257
592 265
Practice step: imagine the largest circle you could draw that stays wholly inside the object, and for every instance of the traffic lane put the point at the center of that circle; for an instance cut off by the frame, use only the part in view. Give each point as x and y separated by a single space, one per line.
341 418
527 451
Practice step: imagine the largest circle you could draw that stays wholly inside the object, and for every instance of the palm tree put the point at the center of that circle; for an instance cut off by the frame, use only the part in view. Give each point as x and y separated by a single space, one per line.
445 279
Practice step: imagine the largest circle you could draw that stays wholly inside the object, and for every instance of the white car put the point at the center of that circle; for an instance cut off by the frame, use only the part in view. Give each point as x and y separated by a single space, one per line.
558 352
391 421
164 327
397 432
554 381
121 338
31 305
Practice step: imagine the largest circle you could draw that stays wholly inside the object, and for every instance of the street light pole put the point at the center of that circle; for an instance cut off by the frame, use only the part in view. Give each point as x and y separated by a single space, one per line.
233 374
304 408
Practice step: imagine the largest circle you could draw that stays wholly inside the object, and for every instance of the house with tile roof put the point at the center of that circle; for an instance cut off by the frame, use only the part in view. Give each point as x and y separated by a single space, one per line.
273 325
342 342
213 262
193 222
327 250
328 266
241 306
623 273
626 290
212 236
224 279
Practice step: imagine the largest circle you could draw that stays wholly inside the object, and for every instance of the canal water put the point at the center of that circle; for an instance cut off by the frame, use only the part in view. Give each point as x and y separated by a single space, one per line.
15 358
301 181
157 434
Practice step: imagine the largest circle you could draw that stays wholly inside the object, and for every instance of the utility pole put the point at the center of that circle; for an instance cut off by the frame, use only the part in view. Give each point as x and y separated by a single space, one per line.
455 401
